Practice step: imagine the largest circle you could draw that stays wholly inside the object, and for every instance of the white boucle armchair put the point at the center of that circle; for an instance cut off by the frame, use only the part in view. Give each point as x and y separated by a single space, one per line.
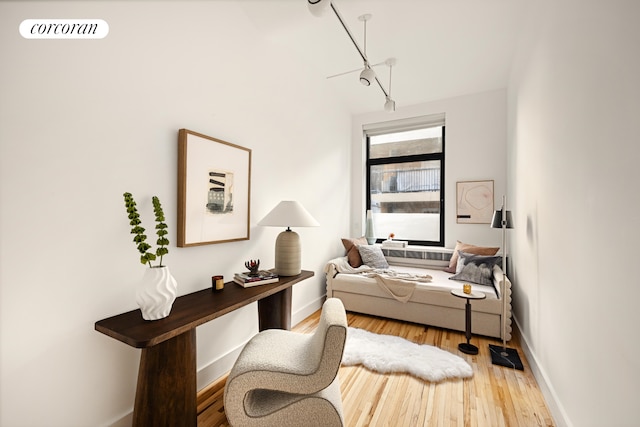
284 378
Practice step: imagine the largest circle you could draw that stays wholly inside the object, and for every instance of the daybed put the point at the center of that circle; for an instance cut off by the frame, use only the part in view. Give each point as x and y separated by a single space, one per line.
430 302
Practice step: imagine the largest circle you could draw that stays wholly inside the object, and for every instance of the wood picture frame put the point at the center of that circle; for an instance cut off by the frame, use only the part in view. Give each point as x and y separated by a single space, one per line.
474 202
214 190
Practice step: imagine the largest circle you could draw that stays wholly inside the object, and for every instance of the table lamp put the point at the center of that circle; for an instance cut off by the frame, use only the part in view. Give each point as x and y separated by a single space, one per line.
288 214
504 356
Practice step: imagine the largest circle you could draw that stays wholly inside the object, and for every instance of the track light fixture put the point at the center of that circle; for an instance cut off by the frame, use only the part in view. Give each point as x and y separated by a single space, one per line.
318 7
390 104
367 75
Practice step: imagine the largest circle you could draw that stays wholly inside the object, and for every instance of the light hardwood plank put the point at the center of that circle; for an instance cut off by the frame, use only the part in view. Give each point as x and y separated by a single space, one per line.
495 396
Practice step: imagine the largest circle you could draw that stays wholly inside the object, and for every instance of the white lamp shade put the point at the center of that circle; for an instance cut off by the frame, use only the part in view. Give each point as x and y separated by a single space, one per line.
289 213
318 7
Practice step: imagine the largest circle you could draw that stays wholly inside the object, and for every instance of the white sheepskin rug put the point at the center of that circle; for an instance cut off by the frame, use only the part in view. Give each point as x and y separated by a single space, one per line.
387 353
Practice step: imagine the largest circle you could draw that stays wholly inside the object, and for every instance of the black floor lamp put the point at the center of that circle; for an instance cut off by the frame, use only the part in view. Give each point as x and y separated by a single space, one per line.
501 355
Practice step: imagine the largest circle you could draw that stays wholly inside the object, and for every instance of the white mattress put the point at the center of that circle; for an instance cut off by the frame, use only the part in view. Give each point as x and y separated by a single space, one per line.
440 282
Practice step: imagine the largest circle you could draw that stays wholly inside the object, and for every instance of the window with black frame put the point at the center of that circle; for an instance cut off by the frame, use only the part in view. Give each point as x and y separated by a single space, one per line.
405 181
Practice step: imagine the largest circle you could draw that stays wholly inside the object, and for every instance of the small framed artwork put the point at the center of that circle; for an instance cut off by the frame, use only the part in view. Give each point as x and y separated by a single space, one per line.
214 190
474 202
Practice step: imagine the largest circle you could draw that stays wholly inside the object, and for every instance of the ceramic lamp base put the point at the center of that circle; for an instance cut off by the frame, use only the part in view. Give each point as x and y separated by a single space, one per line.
288 258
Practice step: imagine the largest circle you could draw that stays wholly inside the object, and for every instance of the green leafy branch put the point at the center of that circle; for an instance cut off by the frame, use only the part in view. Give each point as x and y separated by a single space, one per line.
161 229
140 238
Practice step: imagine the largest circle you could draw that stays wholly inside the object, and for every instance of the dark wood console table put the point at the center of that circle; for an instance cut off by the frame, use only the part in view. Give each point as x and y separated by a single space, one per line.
166 390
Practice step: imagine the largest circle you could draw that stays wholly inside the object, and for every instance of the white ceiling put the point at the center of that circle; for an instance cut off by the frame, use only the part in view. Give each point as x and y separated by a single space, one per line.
443 48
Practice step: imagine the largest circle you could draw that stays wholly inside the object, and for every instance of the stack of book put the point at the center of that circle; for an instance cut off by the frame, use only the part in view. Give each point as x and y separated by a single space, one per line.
262 278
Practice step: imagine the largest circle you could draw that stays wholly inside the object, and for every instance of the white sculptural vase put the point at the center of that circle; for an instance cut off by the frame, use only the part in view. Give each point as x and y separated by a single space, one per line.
156 293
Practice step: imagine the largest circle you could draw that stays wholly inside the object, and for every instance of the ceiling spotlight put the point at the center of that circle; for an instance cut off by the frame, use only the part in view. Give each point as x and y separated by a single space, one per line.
367 76
390 105
318 7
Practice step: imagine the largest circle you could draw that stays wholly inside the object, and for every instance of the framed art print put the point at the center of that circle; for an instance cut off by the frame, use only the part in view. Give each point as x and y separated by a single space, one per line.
474 202
214 189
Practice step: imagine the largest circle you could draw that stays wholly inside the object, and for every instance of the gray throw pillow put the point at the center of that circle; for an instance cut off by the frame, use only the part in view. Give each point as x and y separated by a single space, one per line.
372 256
475 268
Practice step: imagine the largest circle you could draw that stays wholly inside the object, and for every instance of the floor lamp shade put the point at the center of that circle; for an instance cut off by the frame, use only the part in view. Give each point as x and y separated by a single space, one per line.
288 249
496 221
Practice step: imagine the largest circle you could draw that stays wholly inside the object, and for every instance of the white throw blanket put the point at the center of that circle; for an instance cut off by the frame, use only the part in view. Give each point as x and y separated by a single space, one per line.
342 266
398 285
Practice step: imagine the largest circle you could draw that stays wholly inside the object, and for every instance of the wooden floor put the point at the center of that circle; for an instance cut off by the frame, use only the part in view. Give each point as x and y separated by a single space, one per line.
495 396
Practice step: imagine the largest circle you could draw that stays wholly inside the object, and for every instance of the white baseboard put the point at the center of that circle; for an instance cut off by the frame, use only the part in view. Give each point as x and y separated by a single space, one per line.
218 367
548 392
124 421
306 311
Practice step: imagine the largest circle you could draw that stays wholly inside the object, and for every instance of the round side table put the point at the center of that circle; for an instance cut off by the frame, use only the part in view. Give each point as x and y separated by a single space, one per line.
467 347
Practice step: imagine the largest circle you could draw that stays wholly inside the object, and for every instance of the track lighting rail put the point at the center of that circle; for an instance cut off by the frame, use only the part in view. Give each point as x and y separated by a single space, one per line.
317 7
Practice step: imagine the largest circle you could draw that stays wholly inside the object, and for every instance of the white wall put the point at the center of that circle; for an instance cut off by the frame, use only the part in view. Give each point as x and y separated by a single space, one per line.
574 103
81 122
475 150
